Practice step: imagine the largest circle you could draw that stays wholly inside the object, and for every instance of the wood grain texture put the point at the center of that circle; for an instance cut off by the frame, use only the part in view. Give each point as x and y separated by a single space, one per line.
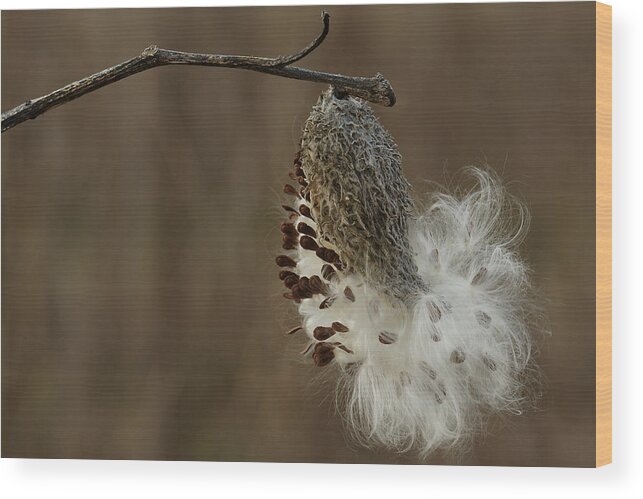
603 234
142 316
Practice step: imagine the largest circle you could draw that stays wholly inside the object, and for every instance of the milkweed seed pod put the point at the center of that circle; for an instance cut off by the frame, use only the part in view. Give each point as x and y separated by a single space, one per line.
425 313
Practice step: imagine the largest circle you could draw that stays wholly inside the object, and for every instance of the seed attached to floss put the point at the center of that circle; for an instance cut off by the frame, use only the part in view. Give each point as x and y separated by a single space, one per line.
427 369
491 365
342 347
457 356
323 354
348 293
327 303
304 283
327 254
328 272
288 243
322 333
483 319
306 229
285 261
300 293
305 211
339 327
434 311
289 209
289 189
317 286
387 338
285 273
308 243
288 228
291 280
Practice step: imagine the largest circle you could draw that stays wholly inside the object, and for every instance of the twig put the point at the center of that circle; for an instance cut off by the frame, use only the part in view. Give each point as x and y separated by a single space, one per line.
375 89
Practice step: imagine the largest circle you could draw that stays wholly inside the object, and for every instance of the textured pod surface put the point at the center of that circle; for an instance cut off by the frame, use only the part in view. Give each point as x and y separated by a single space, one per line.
359 196
426 369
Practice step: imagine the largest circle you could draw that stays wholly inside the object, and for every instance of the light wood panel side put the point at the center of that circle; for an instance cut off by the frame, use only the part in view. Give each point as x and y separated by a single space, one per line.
603 234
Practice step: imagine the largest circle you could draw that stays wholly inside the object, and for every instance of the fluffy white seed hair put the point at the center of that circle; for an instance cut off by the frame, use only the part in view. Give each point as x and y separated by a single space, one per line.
422 364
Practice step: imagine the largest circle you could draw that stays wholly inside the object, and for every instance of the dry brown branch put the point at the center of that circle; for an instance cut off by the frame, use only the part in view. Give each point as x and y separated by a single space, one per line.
375 89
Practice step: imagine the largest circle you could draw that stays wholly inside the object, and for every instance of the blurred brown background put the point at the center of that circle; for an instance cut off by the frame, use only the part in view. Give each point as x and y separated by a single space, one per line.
141 313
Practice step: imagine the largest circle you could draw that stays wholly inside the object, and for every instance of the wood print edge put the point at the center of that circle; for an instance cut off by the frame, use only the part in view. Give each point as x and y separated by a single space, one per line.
603 234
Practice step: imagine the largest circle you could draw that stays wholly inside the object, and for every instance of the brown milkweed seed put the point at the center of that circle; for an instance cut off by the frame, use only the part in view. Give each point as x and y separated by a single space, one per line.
342 347
304 228
308 243
339 327
317 286
327 302
427 369
328 272
288 228
327 254
434 311
483 319
305 211
387 338
285 261
300 293
288 243
457 356
491 365
285 273
348 293
323 354
289 189
289 208
291 280
322 333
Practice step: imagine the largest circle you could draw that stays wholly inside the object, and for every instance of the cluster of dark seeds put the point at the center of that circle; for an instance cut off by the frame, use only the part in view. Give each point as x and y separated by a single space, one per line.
303 287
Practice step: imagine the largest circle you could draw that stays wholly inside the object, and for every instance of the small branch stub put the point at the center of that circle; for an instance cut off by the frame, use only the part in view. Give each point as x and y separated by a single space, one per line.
374 89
